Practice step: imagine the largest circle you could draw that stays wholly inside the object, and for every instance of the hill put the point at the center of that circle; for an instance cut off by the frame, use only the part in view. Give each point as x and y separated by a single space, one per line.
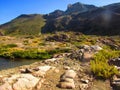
24 25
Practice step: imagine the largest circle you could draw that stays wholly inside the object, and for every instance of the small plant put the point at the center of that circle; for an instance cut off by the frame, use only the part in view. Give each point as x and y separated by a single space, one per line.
25 42
42 44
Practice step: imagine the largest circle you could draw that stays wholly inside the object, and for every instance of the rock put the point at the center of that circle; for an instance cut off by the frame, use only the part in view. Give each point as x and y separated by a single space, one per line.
51 60
44 68
91 48
38 86
78 55
85 81
41 71
69 74
116 62
66 85
39 74
22 70
86 48
27 70
67 80
83 86
59 38
96 48
6 86
66 67
25 82
87 56
11 79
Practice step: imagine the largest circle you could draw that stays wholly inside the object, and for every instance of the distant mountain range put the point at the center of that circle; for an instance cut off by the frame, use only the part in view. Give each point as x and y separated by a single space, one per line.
78 17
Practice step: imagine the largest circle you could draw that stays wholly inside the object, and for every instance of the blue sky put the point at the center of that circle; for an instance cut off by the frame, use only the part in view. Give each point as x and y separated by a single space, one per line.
9 9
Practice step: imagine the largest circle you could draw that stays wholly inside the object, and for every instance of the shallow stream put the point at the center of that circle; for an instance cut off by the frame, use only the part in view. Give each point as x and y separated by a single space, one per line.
7 63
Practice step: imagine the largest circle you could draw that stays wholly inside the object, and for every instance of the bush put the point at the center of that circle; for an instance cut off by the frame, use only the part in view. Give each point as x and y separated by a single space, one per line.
100 66
10 46
103 69
30 54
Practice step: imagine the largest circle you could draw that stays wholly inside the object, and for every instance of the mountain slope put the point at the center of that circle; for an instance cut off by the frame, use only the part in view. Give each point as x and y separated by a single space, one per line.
24 25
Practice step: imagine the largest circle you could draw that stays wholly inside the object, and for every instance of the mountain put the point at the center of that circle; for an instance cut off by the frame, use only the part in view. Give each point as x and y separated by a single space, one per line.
24 25
55 14
78 17
99 21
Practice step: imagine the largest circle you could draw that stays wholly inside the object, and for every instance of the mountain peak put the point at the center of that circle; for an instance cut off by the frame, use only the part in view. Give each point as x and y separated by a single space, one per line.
79 8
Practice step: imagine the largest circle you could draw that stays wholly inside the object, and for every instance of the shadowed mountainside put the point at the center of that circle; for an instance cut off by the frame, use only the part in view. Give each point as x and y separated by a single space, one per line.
101 21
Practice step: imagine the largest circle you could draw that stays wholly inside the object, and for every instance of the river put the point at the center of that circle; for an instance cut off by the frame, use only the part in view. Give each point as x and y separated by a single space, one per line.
7 63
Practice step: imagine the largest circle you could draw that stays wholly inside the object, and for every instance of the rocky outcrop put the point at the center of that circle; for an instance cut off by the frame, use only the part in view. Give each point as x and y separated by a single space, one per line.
59 38
85 52
79 8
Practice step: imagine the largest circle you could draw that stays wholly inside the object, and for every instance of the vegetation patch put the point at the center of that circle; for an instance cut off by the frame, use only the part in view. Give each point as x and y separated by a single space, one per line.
100 66
30 54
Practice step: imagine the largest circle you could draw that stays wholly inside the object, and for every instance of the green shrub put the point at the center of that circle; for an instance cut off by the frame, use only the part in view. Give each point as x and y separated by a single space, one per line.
9 46
103 69
30 54
25 42
57 50
100 66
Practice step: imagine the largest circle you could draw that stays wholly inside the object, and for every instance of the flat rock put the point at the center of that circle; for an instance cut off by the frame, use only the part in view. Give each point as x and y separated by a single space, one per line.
11 79
44 68
51 60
